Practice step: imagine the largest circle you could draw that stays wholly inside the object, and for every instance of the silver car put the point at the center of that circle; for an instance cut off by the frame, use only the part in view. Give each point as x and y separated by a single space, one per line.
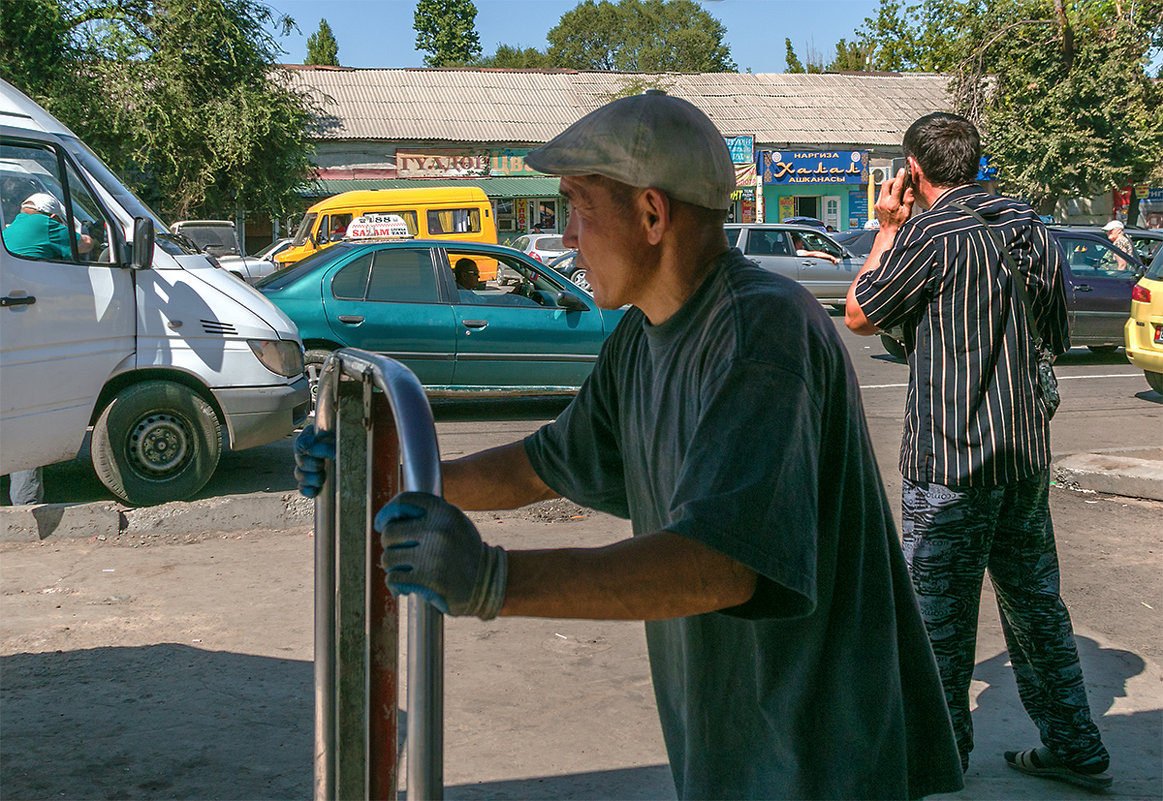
803 254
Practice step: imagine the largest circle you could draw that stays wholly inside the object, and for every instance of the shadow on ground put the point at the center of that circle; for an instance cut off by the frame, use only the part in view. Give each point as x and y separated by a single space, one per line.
160 721
650 782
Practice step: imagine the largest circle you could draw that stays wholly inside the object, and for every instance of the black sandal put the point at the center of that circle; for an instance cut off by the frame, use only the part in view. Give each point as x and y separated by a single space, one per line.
1042 762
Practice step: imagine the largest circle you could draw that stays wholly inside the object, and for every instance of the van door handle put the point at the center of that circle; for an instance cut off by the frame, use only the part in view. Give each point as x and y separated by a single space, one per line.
477 324
350 319
23 300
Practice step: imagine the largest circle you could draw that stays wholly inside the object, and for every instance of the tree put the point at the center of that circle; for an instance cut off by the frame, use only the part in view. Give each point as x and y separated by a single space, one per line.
180 97
794 65
508 57
446 31
640 36
850 57
322 49
1060 91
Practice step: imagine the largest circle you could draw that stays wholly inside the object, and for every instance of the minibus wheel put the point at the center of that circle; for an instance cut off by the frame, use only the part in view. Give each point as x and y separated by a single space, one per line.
157 441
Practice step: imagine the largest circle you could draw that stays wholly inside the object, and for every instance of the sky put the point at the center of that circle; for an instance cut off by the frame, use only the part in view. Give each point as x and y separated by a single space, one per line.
378 33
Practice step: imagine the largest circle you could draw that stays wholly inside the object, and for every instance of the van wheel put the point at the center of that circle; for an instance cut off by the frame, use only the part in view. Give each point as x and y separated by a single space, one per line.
312 365
895 349
157 441
1155 380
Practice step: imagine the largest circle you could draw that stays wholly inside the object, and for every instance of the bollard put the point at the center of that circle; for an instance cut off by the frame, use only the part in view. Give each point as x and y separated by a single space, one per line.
386 443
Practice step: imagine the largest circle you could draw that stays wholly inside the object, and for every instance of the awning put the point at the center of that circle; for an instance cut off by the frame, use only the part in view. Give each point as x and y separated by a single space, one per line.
501 187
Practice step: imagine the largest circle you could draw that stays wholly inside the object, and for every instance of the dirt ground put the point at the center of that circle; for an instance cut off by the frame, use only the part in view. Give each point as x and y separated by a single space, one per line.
179 666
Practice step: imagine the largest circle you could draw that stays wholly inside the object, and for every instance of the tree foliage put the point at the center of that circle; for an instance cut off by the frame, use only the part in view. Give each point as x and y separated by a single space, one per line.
794 65
322 49
446 31
178 96
640 36
517 58
1060 90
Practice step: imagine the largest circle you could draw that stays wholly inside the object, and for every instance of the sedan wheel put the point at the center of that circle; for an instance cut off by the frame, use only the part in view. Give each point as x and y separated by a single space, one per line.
579 279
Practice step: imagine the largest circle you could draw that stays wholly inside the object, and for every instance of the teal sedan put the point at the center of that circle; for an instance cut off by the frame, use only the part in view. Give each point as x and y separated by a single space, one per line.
534 334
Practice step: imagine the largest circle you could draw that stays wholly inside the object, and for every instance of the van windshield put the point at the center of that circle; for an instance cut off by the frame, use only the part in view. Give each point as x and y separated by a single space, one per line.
304 229
96 168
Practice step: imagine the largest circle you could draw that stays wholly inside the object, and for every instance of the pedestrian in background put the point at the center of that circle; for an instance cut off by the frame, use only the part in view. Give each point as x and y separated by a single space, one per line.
976 450
723 418
1116 233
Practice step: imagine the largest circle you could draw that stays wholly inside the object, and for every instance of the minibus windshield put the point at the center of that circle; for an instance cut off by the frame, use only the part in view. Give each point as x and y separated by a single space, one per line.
96 168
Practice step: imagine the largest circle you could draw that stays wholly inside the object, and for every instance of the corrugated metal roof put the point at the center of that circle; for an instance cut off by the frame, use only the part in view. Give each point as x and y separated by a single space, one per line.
512 186
519 106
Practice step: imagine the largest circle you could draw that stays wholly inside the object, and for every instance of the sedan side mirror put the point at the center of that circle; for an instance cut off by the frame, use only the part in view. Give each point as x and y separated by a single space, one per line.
571 302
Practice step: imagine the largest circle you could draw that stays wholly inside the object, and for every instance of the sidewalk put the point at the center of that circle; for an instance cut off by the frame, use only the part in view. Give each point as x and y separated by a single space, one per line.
184 671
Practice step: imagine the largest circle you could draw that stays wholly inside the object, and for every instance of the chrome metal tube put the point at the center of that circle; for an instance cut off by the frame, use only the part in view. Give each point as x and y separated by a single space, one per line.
420 471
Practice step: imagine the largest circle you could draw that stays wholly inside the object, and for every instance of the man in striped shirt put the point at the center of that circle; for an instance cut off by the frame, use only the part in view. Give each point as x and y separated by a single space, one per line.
975 454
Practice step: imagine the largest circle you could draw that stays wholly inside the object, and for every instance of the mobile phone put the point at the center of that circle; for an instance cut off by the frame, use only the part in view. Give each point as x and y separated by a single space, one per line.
908 182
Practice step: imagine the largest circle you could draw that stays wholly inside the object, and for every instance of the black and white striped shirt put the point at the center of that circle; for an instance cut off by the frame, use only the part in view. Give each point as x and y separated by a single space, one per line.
973 416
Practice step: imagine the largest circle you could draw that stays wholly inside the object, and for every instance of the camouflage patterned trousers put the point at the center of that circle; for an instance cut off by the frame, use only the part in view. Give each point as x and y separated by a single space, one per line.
951 535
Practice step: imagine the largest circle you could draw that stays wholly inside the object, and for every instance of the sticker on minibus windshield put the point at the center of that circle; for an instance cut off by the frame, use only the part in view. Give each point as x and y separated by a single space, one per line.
378 226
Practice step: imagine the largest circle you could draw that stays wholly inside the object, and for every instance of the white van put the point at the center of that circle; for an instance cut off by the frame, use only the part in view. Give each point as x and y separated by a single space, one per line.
125 328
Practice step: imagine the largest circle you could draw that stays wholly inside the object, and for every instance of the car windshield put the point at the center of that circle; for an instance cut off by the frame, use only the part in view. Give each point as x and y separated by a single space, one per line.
217 240
549 243
291 273
304 229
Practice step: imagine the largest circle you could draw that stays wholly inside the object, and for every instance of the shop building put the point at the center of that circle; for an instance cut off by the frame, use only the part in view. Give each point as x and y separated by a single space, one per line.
380 129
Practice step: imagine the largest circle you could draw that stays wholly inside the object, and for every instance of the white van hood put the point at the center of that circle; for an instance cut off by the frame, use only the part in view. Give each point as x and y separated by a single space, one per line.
241 293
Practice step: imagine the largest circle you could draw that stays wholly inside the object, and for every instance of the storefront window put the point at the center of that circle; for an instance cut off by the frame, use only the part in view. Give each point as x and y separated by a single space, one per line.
505 213
544 218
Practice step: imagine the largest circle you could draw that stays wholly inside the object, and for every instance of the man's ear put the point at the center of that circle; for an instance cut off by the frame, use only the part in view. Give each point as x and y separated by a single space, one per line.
655 212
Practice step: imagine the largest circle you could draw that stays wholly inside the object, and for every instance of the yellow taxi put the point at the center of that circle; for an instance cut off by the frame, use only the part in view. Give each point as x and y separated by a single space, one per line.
1144 330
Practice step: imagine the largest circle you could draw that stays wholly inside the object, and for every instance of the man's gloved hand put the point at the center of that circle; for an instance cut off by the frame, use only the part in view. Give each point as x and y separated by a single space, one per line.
433 550
312 449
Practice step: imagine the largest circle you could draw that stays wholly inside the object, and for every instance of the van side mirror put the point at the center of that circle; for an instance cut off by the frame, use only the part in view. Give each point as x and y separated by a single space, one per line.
142 255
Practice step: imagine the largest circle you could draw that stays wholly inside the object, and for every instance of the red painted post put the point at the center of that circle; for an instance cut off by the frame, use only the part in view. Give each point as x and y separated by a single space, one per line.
383 619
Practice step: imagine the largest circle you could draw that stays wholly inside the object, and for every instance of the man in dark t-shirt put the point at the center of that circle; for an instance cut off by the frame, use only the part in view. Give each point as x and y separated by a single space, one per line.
723 418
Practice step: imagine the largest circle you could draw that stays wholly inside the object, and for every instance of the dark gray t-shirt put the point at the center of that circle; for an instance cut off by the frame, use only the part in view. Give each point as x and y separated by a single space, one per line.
738 423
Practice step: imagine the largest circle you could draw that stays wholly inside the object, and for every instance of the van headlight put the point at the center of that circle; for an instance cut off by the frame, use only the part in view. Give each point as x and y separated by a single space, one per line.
278 355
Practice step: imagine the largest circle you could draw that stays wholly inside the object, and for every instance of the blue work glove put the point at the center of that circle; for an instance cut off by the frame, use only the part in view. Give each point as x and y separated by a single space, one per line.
432 550
312 450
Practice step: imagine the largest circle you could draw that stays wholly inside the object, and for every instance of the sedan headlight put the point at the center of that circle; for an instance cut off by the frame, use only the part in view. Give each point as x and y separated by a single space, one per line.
278 355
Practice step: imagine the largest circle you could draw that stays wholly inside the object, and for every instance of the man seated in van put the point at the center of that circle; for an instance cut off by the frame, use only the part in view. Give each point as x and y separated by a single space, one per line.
39 230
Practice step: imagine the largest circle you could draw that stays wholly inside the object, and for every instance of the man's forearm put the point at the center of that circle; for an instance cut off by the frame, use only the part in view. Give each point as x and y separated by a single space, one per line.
654 577
854 316
499 478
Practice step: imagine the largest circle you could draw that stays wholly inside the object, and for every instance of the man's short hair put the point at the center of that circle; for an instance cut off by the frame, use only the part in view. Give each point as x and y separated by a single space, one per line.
464 265
947 147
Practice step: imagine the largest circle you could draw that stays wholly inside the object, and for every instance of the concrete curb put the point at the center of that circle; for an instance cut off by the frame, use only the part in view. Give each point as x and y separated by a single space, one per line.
109 519
1117 473
1110 473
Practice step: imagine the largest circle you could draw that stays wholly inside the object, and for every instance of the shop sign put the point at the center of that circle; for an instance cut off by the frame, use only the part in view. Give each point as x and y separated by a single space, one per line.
857 208
1142 191
742 148
1155 193
441 164
510 161
745 174
787 207
789 167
